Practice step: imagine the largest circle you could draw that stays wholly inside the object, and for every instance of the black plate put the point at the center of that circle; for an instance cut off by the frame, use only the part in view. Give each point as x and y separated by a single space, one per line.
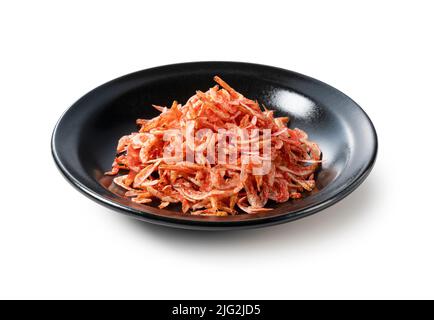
85 137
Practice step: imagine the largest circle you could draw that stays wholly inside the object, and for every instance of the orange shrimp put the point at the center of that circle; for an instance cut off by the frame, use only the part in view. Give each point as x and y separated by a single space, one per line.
205 187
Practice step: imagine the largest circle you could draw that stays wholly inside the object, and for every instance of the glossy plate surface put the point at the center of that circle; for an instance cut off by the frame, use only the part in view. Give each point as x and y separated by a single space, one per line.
85 137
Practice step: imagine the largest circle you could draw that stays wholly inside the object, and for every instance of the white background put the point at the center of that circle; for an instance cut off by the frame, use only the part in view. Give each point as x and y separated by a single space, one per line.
377 243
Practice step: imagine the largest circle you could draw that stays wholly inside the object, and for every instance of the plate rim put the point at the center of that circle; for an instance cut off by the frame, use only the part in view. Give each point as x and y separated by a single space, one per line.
172 221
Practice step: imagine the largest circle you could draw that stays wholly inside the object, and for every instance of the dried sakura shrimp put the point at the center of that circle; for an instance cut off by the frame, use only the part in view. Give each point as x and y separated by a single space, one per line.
207 187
